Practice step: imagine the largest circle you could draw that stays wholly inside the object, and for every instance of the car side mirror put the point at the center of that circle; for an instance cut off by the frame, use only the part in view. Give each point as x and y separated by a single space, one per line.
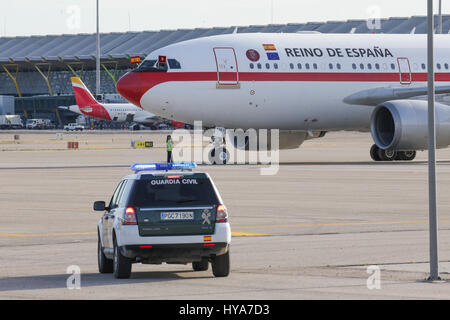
99 206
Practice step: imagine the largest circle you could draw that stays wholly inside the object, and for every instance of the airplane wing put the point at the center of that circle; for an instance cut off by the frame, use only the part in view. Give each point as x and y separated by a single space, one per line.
375 96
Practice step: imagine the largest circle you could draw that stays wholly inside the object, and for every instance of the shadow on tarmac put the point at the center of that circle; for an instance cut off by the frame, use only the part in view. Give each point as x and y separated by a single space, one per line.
59 281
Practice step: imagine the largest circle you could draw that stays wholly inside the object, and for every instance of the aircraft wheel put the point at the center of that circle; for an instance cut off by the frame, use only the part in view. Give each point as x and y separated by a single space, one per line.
406 155
374 153
386 155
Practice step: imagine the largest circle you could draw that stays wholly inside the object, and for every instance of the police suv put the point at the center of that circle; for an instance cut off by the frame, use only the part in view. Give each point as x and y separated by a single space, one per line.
172 217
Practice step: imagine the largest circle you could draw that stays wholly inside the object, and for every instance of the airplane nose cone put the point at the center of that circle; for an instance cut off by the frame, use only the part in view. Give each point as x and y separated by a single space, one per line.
130 87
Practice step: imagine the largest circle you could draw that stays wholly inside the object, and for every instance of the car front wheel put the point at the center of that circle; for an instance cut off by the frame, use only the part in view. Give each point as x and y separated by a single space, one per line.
105 265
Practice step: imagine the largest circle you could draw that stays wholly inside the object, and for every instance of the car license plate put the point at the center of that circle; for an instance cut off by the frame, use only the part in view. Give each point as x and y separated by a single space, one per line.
180 215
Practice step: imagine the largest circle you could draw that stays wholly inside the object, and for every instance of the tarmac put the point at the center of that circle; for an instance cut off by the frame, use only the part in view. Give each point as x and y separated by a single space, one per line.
308 232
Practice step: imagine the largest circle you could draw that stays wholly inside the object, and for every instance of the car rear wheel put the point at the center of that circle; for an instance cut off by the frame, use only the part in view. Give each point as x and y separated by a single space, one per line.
200 265
221 265
122 265
105 265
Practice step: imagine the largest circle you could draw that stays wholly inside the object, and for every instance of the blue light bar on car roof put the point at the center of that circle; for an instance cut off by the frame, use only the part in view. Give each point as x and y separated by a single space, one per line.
137 167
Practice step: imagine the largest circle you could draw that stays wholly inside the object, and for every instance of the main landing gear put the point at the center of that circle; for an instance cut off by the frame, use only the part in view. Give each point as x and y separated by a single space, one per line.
378 154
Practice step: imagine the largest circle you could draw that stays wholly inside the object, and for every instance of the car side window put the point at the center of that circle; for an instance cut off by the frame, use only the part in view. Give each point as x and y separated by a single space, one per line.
123 197
113 203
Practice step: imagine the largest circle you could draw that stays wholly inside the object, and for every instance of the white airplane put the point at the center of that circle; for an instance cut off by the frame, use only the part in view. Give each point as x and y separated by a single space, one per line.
303 84
87 105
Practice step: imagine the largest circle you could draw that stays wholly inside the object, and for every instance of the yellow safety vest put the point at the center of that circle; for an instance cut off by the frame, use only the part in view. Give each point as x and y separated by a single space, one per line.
169 145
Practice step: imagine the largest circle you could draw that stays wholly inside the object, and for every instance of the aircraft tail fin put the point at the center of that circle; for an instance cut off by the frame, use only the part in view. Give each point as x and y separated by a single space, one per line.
82 94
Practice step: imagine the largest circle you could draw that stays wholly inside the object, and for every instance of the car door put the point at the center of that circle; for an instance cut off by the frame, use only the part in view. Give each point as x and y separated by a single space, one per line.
108 217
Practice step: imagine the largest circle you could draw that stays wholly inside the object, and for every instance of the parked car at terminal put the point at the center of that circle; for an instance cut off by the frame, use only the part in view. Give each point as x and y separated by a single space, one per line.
74 127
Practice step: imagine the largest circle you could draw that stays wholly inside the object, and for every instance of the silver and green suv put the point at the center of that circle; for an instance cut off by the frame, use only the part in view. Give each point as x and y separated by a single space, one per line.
155 217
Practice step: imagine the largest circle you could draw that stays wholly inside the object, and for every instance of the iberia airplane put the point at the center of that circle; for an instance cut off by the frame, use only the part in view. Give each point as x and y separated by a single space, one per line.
87 105
303 84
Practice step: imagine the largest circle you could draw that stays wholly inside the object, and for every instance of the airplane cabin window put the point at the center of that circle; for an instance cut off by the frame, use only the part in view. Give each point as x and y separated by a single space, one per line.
307 66
299 66
275 65
258 65
252 65
446 66
354 66
377 66
291 65
361 66
267 66
330 66
438 66
174 64
423 66
369 66
315 65
338 66
392 66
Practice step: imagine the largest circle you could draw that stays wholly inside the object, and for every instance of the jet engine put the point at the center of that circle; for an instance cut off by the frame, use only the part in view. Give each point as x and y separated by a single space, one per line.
403 125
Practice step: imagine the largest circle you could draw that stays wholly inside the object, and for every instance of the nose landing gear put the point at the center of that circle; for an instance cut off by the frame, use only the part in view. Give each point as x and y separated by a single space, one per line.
219 154
378 154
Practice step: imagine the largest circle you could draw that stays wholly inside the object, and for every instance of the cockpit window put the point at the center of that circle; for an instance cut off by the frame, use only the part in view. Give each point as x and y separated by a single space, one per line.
151 66
147 64
174 64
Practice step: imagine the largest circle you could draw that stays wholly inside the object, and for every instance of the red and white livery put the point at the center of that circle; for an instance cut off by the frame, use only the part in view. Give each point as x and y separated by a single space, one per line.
303 83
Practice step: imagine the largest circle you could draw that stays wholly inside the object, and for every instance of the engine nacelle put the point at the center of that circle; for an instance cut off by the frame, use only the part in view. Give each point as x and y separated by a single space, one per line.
248 140
403 125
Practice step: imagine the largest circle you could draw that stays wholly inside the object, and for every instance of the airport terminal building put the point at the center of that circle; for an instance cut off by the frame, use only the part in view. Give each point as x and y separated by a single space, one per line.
36 70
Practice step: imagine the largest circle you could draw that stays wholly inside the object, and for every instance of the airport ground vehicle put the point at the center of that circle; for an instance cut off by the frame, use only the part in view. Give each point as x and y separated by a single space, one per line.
10 122
172 217
39 124
74 127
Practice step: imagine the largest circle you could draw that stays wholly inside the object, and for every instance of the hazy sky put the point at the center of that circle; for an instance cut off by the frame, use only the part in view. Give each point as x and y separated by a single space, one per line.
31 17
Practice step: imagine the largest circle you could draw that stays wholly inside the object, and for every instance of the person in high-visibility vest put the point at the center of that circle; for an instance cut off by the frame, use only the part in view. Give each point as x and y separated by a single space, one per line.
169 146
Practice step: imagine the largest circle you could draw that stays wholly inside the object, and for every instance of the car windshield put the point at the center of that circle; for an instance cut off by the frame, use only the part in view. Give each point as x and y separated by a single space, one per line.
173 192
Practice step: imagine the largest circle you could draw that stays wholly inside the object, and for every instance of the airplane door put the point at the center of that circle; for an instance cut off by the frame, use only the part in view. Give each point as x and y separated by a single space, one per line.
405 70
227 68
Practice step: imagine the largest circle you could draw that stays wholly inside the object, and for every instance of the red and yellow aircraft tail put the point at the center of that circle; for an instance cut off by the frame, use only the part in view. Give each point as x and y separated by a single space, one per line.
82 94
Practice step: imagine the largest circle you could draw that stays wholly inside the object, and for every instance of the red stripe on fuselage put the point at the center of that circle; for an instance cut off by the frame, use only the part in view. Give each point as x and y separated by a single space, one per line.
138 84
151 79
